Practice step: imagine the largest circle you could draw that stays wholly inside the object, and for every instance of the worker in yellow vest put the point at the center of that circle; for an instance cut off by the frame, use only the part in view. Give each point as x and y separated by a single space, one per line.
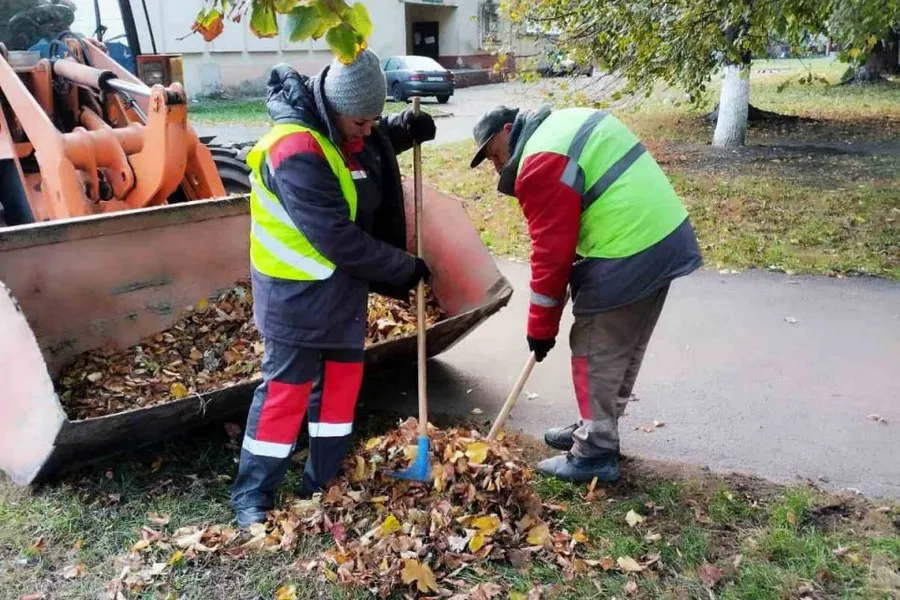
604 220
327 226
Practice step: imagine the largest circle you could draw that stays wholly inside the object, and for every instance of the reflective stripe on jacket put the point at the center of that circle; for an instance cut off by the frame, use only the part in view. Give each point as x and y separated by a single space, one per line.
277 247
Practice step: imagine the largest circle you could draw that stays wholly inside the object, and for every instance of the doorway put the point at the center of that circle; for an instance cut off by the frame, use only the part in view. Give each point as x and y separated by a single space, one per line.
425 39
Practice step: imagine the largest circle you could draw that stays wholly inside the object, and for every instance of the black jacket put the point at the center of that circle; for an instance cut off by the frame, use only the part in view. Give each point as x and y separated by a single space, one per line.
369 254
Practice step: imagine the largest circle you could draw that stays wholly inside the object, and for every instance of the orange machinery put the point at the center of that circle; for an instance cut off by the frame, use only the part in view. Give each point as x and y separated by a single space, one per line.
81 135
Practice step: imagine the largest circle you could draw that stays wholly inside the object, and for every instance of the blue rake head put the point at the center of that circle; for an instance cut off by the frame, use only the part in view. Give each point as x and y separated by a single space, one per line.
420 470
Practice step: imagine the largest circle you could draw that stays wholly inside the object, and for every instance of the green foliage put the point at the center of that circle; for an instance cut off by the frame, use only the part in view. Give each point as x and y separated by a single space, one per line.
683 43
680 42
264 20
346 28
302 23
858 25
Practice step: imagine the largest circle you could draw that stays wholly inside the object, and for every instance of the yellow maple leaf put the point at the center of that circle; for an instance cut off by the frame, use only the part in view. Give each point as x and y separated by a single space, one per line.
178 390
410 451
580 536
140 545
390 525
360 472
539 535
488 524
421 574
286 592
202 304
477 542
372 443
477 452
517 596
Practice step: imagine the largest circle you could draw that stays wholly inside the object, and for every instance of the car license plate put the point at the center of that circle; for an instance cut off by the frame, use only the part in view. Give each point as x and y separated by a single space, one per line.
435 79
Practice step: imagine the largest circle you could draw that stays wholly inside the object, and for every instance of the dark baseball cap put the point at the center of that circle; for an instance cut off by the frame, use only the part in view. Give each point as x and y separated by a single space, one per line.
489 125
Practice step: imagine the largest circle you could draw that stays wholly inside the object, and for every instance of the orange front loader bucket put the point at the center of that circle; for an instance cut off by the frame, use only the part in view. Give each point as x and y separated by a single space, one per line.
109 281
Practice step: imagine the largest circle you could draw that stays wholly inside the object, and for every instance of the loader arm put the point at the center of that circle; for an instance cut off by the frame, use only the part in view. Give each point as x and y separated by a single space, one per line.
59 196
95 139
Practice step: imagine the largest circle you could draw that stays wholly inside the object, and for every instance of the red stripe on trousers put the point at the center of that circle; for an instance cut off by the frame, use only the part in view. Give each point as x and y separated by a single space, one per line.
342 383
282 412
582 386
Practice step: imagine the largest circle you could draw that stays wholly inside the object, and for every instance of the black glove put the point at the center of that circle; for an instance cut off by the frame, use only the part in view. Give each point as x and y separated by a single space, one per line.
421 273
419 127
540 347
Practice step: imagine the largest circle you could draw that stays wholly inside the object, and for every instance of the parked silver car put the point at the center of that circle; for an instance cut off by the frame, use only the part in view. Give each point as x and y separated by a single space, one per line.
408 76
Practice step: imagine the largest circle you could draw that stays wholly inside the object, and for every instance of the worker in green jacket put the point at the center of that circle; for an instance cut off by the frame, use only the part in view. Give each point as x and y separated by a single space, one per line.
603 219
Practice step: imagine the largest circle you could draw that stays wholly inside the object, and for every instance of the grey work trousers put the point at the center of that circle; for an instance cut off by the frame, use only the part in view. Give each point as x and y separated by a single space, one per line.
607 351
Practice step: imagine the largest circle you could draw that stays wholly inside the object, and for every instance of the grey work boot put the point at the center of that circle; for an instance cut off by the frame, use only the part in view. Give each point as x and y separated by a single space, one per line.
560 438
581 470
248 516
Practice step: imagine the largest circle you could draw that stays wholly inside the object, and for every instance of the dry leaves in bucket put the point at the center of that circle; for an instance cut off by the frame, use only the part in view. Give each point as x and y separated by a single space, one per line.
213 345
392 536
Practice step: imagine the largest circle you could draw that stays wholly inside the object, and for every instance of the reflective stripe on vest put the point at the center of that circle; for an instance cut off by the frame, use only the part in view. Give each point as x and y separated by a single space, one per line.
627 202
277 247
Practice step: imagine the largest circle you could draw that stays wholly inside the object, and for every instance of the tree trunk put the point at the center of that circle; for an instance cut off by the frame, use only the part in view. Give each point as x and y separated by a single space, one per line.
882 60
734 105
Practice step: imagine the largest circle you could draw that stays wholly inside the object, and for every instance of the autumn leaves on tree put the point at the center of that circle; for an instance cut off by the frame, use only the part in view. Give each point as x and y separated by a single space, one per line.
346 28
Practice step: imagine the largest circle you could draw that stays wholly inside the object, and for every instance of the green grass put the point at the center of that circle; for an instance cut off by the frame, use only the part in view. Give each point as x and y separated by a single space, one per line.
762 220
781 549
252 112
868 112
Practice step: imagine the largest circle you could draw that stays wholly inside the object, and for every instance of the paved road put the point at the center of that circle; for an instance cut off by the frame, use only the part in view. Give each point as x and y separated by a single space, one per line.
738 387
464 109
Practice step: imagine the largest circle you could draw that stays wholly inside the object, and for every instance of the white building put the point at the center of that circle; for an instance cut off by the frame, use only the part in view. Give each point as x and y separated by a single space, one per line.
451 31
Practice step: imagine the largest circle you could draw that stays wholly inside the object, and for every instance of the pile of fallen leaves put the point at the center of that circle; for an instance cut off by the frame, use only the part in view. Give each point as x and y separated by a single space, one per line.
390 535
213 345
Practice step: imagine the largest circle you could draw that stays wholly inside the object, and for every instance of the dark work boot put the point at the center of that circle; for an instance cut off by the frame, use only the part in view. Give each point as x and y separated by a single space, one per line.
581 470
560 438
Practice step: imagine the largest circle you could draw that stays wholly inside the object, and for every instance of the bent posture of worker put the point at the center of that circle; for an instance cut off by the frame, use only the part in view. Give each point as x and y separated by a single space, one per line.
603 219
328 220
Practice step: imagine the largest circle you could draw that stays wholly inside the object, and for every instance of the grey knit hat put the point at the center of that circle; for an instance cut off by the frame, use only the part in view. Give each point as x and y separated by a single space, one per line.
357 89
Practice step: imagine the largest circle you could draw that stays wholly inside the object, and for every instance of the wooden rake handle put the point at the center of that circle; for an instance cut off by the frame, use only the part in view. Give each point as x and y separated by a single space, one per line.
420 289
513 396
516 390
